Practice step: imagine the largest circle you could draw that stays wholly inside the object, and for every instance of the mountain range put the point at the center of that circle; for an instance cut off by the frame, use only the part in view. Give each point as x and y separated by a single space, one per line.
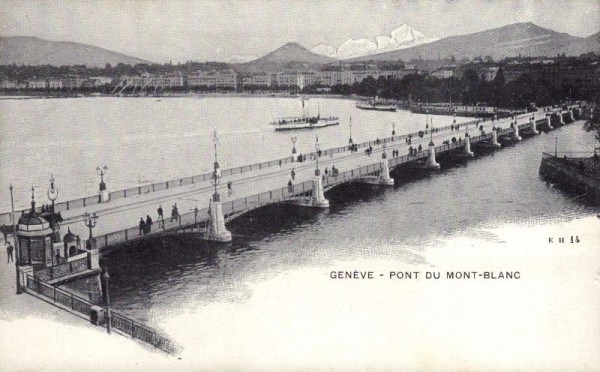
400 38
526 39
404 43
27 50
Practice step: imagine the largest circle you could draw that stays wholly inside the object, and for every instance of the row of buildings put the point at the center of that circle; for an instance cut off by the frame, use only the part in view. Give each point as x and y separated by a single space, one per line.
218 79
587 72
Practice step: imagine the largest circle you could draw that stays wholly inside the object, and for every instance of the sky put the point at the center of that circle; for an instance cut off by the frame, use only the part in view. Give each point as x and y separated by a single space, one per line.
182 30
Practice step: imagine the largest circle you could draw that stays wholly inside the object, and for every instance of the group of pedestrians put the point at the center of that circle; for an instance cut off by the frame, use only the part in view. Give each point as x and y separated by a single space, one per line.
145 226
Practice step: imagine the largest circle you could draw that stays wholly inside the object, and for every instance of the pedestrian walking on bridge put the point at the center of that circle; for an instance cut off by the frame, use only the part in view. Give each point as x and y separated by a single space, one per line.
149 223
142 225
174 213
9 252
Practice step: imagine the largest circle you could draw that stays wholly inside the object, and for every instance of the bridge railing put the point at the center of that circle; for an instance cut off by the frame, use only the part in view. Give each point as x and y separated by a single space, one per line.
61 270
83 307
6 219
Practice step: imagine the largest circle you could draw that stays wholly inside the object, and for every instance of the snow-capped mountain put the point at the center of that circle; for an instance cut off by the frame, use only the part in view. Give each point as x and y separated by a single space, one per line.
400 38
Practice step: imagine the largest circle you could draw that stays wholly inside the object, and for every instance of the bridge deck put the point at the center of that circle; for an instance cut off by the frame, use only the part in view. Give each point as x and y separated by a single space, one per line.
254 187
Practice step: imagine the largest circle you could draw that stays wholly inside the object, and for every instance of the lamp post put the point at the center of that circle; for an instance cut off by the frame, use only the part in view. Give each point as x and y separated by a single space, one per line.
101 172
90 222
52 192
317 148
106 298
17 250
350 141
217 171
393 129
294 139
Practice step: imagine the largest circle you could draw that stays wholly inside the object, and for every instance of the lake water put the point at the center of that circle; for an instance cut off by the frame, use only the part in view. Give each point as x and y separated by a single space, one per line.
195 291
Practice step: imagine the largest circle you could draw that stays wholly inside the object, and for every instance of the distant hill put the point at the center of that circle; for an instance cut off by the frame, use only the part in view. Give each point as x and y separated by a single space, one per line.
586 45
26 50
526 39
291 56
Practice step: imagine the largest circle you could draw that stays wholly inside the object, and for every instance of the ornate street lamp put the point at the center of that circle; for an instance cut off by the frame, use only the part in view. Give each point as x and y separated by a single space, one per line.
106 299
90 222
318 148
350 141
217 171
101 172
294 139
52 193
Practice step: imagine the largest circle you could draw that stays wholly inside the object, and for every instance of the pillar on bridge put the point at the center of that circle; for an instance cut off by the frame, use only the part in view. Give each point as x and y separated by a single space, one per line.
317 199
467 147
516 135
495 138
534 126
431 163
571 117
216 230
103 193
561 120
384 176
549 120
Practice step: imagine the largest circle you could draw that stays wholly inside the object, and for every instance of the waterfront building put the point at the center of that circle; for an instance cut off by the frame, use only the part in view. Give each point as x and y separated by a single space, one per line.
73 82
55 83
9 84
263 80
444 72
290 79
37 83
100 81
173 79
211 79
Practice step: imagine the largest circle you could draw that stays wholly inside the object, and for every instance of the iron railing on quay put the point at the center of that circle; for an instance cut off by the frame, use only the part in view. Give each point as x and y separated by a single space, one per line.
82 307
62 270
575 162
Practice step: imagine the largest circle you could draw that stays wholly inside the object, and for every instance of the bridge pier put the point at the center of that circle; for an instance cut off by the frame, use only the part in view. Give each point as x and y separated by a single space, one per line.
216 230
571 117
516 135
467 147
561 120
534 126
431 163
384 176
495 138
317 199
549 120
